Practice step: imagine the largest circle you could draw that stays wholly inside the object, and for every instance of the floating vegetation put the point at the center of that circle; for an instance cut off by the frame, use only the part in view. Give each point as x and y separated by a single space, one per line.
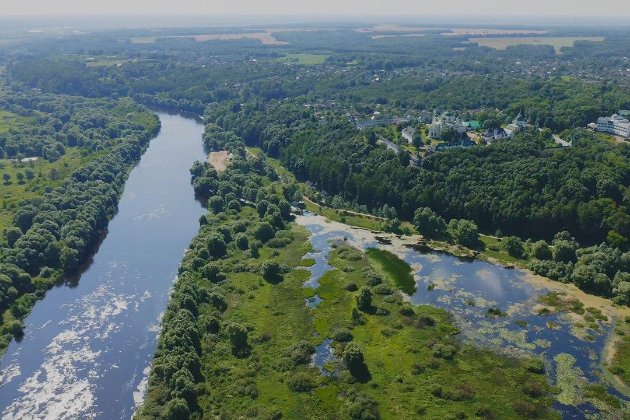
542 343
568 379
521 323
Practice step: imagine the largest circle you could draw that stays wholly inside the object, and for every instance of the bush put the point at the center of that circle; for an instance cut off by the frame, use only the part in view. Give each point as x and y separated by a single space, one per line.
535 366
353 358
464 232
444 351
176 409
342 335
300 353
242 242
300 382
279 242
383 289
352 287
270 271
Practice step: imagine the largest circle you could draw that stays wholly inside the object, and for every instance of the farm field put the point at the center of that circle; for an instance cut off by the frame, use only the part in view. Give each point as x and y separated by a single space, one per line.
557 42
265 38
304 59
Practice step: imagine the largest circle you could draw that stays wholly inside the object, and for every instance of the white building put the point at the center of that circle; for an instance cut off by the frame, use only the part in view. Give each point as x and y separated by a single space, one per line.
444 121
490 136
616 125
408 133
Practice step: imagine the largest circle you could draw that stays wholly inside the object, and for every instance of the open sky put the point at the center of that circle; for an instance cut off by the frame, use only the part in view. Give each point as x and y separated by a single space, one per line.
347 8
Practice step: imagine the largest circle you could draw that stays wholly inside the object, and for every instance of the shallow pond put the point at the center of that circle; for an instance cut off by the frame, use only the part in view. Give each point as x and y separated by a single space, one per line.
468 289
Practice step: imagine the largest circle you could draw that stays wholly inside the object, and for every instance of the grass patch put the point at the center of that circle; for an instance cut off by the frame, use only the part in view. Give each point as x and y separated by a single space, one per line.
398 270
12 193
304 59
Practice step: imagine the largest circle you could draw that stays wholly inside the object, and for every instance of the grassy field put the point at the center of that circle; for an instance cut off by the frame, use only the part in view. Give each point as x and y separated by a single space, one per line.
13 192
557 42
398 271
304 59
620 363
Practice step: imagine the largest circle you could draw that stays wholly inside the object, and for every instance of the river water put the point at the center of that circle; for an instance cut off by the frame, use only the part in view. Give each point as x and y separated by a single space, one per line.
87 348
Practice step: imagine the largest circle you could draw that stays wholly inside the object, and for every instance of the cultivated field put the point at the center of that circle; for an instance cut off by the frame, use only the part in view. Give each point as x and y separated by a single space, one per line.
557 42
265 38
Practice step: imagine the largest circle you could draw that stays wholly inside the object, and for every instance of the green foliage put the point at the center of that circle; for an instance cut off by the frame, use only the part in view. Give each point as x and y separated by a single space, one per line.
514 246
364 299
464 232
428 223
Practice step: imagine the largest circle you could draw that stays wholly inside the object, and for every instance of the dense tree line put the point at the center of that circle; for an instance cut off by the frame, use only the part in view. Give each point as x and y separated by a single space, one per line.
54 234
197 306
518 187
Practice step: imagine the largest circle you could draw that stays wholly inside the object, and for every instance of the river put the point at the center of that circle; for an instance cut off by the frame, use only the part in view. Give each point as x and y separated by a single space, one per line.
87 348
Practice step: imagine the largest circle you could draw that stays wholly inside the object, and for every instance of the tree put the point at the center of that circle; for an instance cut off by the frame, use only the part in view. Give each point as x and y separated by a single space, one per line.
270 271
541 251
513 245
12 234
621 293
264 232
216 245
242 242
464 232
428 223
353 359
216 204
416 140
261 207
364 299
564 251
177 409
7 178
238 337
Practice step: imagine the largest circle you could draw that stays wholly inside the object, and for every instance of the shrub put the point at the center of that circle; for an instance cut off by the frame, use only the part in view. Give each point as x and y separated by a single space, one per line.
300 353
364 299
541 251
342 335
242 242
383 289
353 357
535 366
444 351
270 271
264 232
238 337
352 287
300 382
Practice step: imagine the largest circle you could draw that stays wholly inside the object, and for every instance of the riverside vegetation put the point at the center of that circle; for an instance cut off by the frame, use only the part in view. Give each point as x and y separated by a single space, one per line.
57 217
237 338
